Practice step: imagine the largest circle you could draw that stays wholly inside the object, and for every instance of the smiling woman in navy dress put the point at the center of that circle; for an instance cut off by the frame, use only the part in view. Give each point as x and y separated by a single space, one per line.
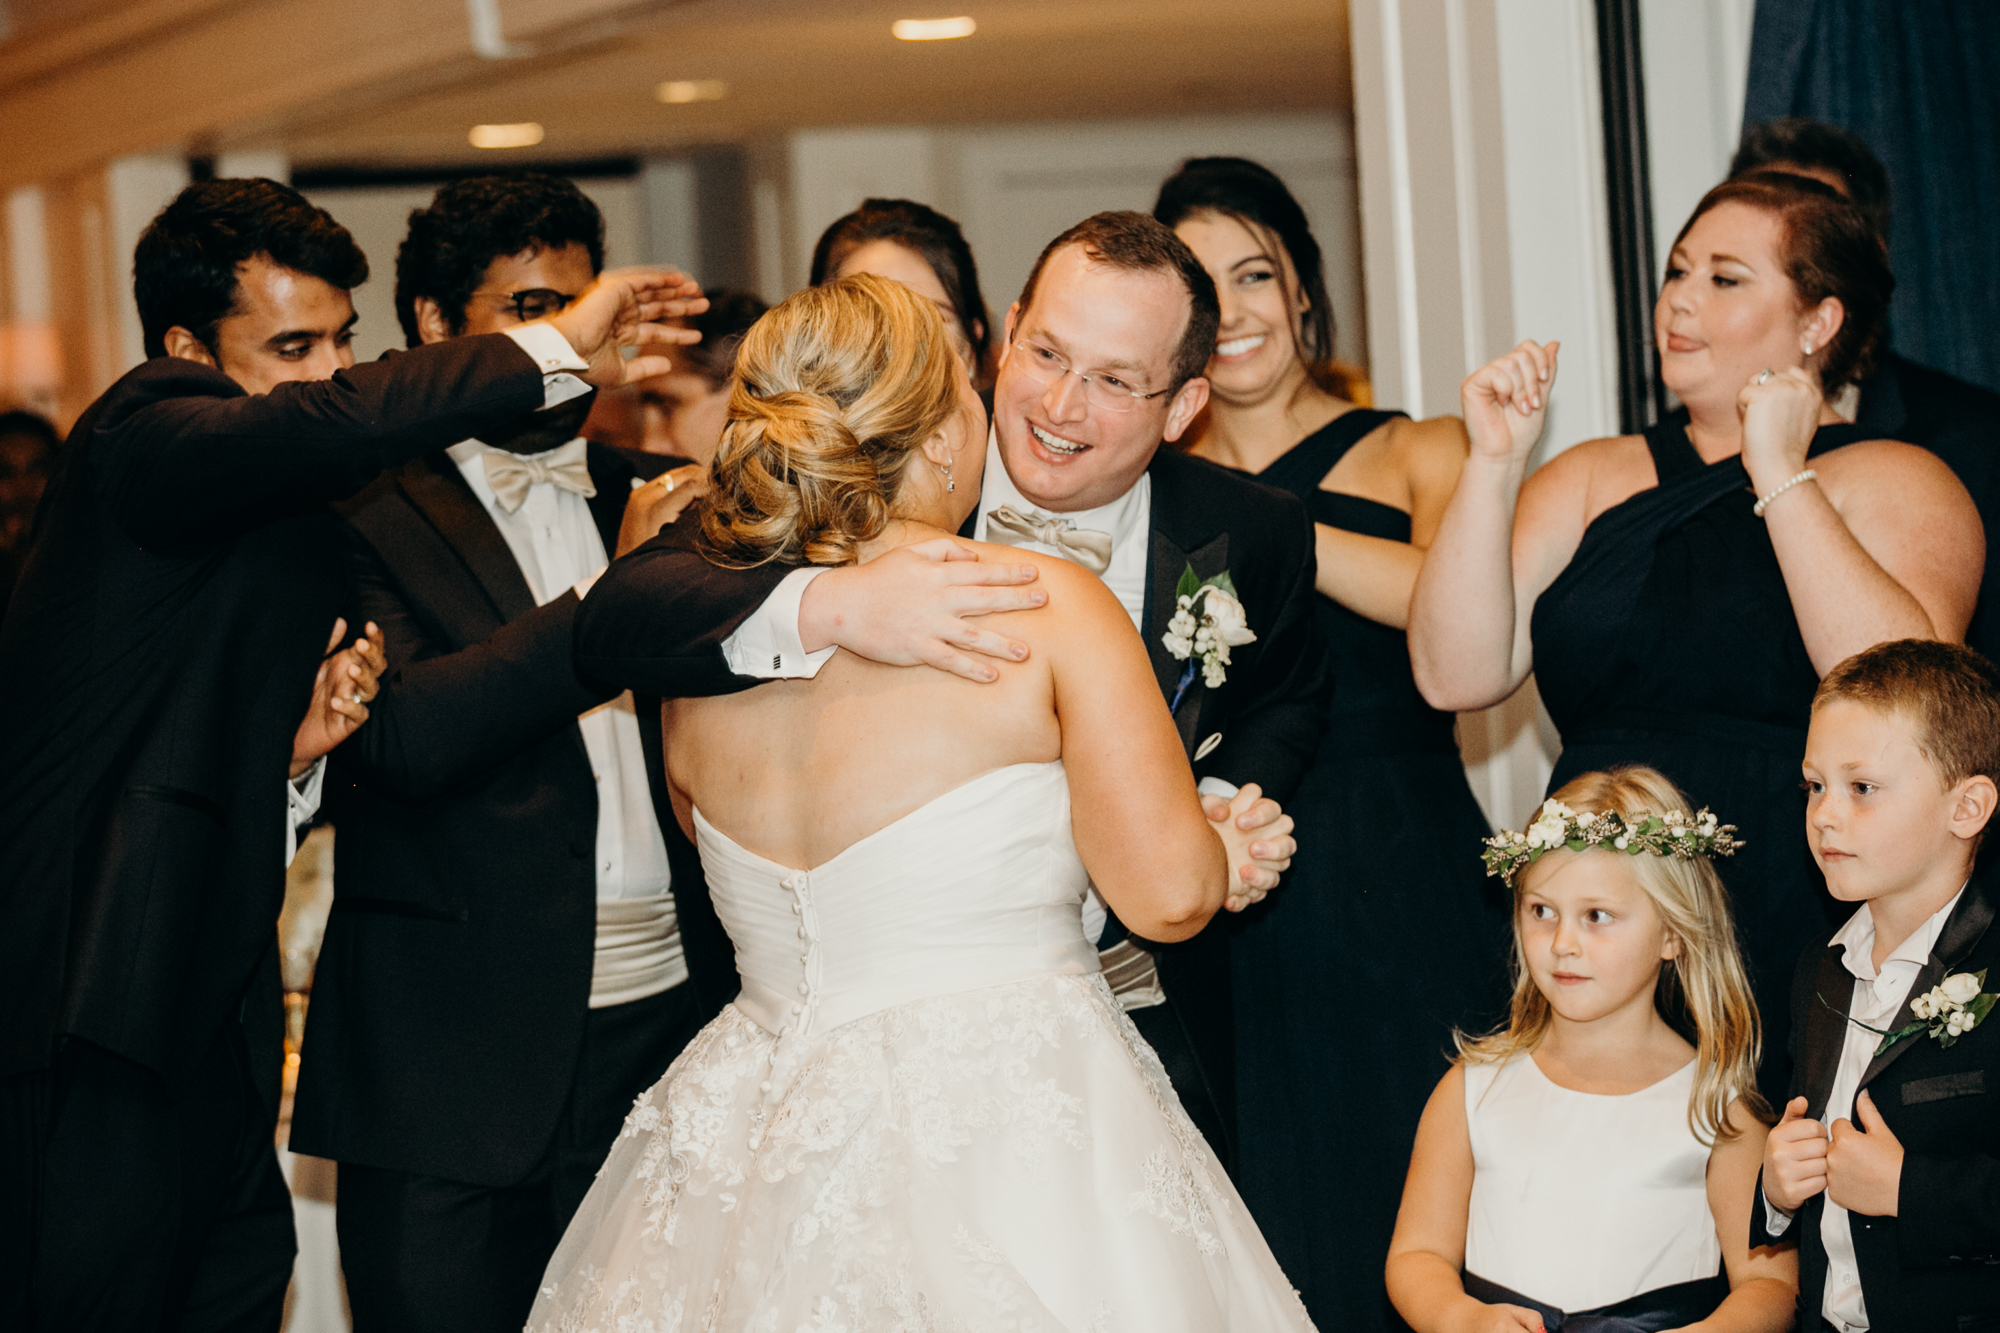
1329 1028
1678 594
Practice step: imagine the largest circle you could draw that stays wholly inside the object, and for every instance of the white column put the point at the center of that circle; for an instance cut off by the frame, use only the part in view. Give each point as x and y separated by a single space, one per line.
1484 222
668 219
136 189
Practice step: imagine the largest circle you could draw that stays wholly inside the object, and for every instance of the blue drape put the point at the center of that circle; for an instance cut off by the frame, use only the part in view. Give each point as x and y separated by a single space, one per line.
1920 83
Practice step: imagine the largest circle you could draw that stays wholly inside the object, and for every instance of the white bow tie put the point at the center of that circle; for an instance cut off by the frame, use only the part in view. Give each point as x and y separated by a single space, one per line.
1008 526
511 475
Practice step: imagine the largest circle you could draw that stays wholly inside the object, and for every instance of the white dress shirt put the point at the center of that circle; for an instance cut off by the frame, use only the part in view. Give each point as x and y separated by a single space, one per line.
1128 520
302 796
1877 999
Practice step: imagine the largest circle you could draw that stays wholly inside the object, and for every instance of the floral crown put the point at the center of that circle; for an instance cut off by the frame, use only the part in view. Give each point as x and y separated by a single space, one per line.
1671 834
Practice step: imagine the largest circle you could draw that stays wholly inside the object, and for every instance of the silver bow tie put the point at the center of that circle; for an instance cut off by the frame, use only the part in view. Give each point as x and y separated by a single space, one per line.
1008 526
511 475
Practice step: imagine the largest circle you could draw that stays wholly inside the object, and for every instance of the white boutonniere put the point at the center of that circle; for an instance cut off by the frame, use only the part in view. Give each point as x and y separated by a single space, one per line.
1208 621
1947 1010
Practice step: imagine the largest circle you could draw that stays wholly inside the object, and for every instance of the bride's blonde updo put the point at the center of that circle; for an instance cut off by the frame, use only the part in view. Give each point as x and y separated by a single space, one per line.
835 390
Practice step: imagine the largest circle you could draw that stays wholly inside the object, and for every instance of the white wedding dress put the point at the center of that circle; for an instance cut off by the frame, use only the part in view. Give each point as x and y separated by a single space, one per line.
924 1112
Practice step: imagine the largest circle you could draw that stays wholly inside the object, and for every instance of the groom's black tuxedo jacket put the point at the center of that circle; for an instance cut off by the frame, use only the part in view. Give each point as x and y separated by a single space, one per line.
1939 1257
448 1007
154 665
657 619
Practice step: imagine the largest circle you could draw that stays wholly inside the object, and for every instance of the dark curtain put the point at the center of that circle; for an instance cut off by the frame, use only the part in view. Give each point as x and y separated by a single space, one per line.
1920 83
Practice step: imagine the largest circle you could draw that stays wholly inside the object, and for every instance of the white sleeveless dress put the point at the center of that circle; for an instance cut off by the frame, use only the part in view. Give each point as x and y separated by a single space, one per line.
1581 1200
924 1112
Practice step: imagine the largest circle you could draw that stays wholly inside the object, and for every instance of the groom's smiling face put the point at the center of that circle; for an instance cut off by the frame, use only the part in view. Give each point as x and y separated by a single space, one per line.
1062 448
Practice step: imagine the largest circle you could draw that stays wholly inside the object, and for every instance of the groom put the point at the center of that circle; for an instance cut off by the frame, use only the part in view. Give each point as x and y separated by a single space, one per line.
1103 363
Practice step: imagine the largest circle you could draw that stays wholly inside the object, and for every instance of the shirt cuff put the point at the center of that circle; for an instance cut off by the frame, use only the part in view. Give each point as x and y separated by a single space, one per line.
767 646
555 358
1775 1223
1213 786
302 795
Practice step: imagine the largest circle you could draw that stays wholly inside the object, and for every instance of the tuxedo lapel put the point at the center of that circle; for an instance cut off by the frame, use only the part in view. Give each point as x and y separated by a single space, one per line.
1962 931
612 475
1164 562
434 486
1825 1030
1183 533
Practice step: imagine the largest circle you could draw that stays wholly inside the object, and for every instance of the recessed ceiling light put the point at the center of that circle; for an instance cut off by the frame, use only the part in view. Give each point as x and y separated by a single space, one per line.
692 90
933 30
524 135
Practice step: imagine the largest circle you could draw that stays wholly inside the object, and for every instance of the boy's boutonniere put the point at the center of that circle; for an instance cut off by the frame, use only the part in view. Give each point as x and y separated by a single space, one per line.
1947 1010
1208 621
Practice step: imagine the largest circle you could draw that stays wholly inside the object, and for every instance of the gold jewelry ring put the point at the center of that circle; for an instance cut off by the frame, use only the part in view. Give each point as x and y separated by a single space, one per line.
667 480
1762 375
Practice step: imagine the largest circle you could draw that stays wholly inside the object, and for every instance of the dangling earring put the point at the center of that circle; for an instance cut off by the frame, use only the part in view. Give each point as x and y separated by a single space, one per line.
949 483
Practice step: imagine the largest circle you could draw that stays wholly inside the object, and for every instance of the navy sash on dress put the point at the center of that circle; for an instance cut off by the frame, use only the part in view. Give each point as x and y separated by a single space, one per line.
1649 1312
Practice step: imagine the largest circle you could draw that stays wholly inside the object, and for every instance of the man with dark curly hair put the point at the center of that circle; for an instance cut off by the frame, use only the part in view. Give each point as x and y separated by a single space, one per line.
520 943
168 634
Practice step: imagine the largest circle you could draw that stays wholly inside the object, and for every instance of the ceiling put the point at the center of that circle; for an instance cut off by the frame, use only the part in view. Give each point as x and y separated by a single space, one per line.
372 82
792 64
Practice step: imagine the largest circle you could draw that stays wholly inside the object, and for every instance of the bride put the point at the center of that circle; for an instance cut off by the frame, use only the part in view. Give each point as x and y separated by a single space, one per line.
924 1110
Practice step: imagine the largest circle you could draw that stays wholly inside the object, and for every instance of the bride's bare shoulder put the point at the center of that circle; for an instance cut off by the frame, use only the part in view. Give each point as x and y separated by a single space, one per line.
1080 606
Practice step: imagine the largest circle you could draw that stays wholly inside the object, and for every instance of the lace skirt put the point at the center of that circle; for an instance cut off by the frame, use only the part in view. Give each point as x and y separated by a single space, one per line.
1009 1158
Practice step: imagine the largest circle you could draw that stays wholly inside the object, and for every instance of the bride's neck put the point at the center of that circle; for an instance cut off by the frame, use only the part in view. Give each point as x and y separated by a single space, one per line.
900 532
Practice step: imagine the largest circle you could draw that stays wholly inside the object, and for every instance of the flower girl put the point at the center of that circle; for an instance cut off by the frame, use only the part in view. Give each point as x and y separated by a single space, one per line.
1599 1154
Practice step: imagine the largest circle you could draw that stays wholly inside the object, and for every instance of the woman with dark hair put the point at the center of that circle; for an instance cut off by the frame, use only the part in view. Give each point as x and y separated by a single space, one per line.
925 251
1388 825
1678 594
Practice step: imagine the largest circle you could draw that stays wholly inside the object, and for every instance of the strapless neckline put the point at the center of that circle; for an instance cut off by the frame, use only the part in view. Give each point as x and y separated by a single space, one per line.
703 825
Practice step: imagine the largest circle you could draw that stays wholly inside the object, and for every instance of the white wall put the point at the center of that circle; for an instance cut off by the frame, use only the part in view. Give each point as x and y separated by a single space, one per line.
1016 187
136 188
379 215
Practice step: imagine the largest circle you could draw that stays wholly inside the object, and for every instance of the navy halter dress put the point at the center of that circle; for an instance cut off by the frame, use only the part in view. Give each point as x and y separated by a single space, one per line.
1670 640
1384 936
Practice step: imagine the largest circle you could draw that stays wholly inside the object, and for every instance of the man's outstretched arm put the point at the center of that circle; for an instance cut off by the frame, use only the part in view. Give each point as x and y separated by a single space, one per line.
664 621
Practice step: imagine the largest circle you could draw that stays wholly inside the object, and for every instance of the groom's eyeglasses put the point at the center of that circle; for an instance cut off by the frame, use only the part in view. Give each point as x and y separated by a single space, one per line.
535 303
1104 393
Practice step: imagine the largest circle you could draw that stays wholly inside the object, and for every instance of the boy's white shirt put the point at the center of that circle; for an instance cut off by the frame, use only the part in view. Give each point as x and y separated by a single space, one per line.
1878 997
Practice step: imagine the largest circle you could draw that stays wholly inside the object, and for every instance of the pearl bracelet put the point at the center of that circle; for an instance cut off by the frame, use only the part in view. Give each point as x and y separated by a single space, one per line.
1761 505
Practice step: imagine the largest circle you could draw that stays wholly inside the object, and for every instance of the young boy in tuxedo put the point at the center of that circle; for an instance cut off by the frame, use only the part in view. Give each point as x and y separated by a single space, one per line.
1885 1168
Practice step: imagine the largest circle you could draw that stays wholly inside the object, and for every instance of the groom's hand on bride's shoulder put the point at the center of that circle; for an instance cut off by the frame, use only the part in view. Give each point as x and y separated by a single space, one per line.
1258 835
915 607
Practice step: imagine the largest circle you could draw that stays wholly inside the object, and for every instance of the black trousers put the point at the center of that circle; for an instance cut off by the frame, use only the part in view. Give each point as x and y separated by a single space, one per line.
127 1206
427 1255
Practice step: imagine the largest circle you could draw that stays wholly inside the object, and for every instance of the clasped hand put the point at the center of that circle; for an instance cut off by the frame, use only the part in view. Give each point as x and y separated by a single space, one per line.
1258 835
1860 1169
